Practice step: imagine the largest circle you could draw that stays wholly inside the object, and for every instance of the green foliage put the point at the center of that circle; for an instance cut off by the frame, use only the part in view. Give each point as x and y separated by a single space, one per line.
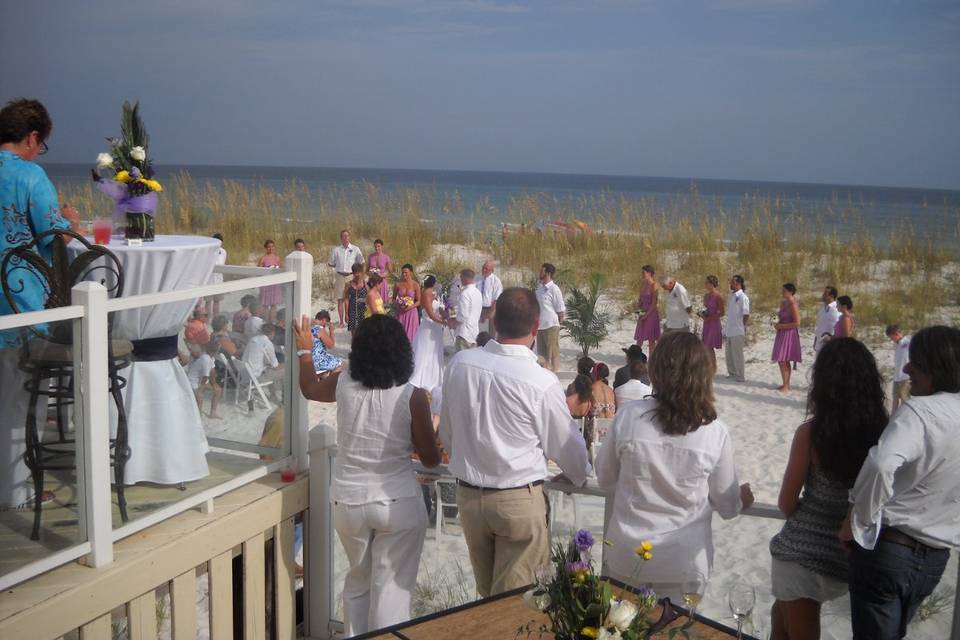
584 322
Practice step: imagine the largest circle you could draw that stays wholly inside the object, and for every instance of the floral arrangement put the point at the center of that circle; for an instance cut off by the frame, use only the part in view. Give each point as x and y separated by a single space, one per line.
580 604
405 302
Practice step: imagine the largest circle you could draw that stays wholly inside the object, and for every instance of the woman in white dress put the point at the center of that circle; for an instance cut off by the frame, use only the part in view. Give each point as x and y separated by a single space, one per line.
671 462
428 343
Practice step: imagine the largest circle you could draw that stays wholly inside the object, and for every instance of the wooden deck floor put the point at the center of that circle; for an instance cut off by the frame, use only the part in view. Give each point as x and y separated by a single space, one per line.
58 525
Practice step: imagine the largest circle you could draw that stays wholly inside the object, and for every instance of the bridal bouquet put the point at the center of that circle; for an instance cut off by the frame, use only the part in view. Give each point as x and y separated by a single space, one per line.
580 604
405 302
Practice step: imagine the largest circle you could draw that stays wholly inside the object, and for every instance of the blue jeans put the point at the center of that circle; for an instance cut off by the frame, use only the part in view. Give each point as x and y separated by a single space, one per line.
888 584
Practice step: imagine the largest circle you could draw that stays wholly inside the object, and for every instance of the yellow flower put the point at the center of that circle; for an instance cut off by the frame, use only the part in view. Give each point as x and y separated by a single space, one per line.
646 545
122 176
153 184
645 548
590 632
647 555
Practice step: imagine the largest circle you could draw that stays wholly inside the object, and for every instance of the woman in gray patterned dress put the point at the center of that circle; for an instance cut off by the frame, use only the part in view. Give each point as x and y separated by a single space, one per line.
847 414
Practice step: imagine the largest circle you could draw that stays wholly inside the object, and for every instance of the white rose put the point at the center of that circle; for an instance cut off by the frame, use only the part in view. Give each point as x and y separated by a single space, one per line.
621 614
138 153
609 635
104 160
537 602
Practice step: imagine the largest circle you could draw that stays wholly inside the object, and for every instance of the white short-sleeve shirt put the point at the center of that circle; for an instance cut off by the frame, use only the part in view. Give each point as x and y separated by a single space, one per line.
738 305
491 288
901 356
259 353
343 258
551 305
469 306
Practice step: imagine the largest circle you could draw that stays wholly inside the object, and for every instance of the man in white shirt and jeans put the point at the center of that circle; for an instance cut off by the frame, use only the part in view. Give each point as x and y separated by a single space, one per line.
552 309
503 416
738 314
466 325
342 258
827 317
491 288
904 516
678 305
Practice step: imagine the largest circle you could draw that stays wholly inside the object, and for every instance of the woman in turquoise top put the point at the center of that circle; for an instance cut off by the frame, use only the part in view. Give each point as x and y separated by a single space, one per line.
28 207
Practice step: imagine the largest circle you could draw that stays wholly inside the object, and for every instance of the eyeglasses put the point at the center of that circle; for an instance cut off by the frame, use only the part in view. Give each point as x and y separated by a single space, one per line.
43 148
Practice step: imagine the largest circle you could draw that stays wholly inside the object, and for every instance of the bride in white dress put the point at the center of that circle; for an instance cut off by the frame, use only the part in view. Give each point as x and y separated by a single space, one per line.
428 342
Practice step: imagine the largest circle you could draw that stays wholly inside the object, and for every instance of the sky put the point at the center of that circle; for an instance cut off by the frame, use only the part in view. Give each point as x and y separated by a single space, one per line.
845 92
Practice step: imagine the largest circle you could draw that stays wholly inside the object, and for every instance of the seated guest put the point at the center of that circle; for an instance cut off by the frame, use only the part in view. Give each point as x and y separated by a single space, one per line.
322 331
241 316
262 358
254 323
809 565
580 396
196 332
201 373
635 388
604 400
584 368
222 337
379 514
903 519
623 375
671 462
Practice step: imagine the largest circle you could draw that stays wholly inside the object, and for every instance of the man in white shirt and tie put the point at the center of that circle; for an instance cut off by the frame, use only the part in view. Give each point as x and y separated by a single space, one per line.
738 314
552 309
491 288
827 317
466 324
503 417
342 258
678 305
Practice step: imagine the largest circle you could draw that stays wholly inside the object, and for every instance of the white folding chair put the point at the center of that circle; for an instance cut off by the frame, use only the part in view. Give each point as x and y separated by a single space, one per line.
252 384
440 504
231 373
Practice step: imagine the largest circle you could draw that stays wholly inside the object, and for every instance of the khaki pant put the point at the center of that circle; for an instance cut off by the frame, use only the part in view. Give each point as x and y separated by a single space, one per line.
507 536
733 352
901 393
461 343
548 343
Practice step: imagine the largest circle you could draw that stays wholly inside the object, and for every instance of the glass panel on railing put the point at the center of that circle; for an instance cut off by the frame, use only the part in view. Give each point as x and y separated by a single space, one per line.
205 393
41 505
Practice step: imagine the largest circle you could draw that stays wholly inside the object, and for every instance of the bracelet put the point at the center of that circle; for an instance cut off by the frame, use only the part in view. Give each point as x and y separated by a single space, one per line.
303 352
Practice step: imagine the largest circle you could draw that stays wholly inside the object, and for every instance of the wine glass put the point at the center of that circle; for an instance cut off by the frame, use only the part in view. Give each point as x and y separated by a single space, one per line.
691 590
741 597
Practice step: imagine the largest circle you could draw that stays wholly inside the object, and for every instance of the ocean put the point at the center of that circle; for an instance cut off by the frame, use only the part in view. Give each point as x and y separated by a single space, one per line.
485 198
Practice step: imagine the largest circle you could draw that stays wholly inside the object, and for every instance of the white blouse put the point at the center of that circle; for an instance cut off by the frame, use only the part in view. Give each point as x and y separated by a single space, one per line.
374 444
666 489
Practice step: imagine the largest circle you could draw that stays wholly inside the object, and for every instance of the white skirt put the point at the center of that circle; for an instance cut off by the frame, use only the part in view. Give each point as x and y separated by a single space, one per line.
428 355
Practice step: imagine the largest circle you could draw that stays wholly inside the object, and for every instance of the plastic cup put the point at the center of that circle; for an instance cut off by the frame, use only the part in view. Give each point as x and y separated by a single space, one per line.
101 231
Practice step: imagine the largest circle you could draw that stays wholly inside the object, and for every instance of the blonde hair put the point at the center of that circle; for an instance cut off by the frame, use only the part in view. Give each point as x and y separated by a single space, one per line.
681 373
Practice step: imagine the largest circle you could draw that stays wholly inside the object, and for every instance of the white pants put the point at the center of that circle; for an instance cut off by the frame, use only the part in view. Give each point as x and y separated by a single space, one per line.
383 542
16 485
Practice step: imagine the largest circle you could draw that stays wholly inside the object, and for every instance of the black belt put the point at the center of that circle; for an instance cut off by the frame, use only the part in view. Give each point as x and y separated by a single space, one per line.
341 273
155 349
898 537
463 483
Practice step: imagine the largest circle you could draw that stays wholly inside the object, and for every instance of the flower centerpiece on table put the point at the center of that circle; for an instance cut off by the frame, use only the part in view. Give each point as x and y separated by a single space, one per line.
580 604
132 187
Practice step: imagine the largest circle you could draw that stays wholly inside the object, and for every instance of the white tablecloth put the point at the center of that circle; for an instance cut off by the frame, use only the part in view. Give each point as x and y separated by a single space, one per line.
167 441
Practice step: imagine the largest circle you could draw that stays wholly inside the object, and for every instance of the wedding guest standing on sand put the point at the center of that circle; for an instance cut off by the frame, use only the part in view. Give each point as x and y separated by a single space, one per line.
342 258
844 328
491 288
712 313
901 356
406 301
827 316
378 510
466 324
356 296
846 415
299 245
670 461
904 517
379 263
552 310
738 316
678 305
503 417
648 314
28 207
272 296
786 346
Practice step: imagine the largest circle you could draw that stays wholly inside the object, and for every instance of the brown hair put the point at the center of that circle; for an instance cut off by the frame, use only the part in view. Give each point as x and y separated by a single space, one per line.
517 311
21 116
681 373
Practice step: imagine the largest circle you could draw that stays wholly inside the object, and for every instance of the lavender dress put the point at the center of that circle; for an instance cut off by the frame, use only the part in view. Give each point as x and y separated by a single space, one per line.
648 327
380 262
410 318
712 333
786 346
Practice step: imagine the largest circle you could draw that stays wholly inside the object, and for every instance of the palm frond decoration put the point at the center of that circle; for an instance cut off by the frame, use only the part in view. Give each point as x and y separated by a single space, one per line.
584 322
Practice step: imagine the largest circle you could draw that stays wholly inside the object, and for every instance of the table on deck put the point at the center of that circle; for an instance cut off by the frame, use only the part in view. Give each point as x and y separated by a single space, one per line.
501 616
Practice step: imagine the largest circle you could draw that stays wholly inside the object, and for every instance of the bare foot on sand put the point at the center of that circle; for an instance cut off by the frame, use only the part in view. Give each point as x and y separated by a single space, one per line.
783 389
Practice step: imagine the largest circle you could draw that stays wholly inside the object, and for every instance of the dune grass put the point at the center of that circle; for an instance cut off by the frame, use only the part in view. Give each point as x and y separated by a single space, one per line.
908 279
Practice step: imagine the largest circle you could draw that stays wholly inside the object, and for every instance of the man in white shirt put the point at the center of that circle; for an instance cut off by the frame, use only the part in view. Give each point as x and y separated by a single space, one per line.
827 317
491 288
262 358
904 516
634 388
738 315
342 258
552 309
466 324
253 324
901 357
502 417
678 305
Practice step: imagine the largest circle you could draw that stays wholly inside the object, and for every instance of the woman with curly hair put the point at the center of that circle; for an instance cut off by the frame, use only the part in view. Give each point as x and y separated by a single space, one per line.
847 414
671 462
379 514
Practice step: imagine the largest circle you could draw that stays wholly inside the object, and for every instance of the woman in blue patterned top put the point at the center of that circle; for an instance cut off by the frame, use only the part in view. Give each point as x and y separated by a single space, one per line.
28 207
847 415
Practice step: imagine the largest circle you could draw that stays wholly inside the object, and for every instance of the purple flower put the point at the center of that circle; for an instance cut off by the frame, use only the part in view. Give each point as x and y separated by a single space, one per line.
578 567
583 540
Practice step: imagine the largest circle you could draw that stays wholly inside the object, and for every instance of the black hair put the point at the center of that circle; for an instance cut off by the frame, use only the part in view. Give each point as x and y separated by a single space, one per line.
845 301
583 385
585 366
483 338
832 290
299 241
21 116
847 407
407 266
638 370
323 314
789 286
517 311
649 269
357 268
429 281
739 280
892 329
380 354
936 352
378 241
268 329
247 299
549 268
218 236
